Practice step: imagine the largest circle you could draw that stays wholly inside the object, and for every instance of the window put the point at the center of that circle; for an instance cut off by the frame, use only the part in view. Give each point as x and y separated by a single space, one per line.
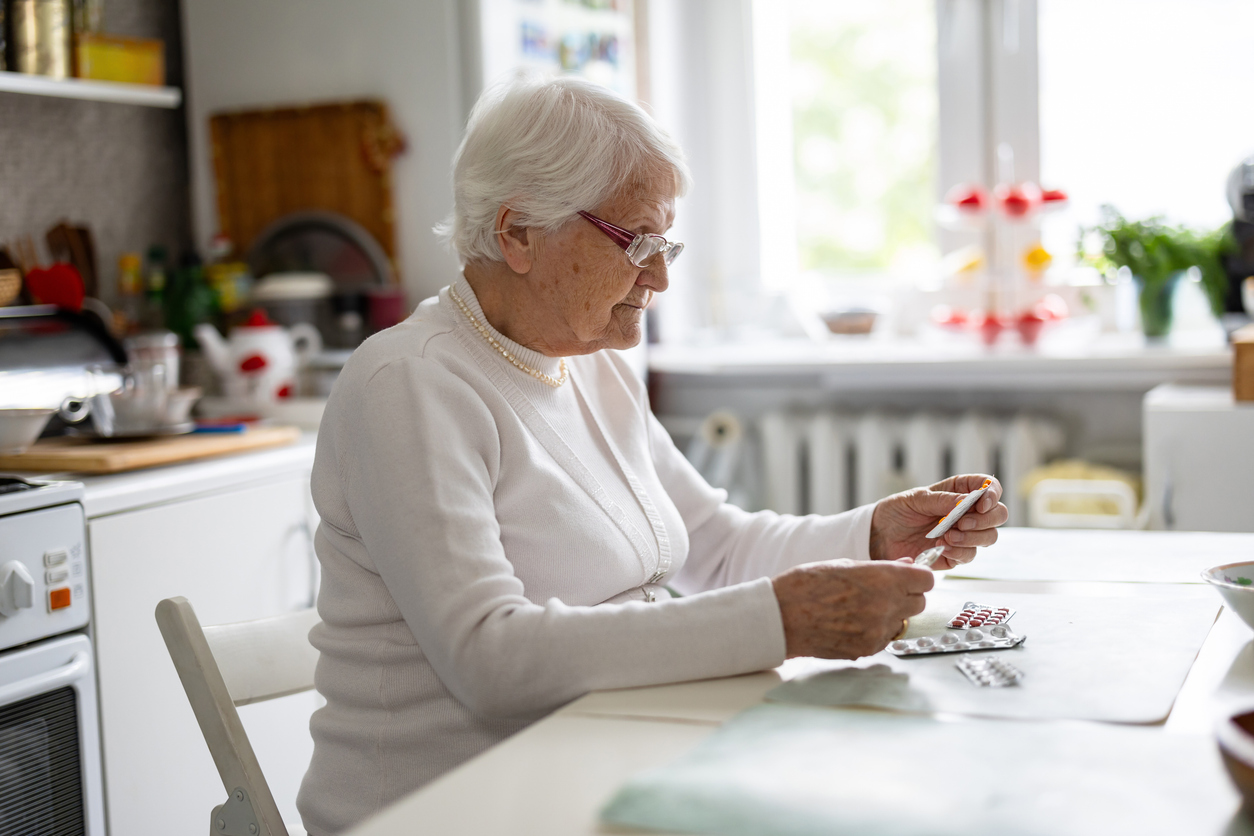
1144 104
863 97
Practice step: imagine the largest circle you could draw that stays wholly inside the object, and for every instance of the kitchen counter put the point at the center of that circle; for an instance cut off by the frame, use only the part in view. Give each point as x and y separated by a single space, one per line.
114 493
234 535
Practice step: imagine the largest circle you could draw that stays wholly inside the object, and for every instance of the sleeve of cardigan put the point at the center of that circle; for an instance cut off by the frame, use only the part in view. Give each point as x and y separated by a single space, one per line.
730 546
419 468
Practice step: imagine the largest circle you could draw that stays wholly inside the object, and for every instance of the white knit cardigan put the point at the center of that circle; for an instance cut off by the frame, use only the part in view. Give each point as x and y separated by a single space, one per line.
493 547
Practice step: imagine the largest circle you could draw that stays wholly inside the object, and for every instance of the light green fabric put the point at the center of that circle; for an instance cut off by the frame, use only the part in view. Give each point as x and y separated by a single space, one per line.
802 771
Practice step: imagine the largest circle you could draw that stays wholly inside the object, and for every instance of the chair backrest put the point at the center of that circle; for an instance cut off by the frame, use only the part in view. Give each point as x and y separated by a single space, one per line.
235 664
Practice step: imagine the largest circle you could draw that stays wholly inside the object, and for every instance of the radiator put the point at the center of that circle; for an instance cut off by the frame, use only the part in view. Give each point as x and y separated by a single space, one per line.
827 462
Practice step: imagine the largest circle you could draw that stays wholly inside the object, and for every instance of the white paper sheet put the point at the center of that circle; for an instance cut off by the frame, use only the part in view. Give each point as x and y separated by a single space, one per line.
1085 658
1037 554
799 771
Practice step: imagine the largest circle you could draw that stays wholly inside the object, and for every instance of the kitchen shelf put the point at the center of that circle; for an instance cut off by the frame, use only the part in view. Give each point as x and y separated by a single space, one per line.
95 91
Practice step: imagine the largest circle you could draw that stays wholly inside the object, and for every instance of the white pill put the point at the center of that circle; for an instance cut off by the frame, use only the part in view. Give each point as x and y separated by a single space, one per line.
925 642
948 638
900 645
973 635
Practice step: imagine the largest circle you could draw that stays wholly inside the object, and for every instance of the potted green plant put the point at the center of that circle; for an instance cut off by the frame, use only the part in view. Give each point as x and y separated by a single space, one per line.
1157 255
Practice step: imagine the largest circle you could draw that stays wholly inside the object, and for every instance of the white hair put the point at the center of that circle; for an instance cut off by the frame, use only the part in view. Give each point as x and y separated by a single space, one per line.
547 148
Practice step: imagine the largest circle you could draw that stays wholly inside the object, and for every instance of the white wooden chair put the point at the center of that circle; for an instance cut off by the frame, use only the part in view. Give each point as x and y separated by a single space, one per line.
231 665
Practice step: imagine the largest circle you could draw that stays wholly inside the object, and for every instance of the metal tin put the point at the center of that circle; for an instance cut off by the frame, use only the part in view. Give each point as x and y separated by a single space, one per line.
41 37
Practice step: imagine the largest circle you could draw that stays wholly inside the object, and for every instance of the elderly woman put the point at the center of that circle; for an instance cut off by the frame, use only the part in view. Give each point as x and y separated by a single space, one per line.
503 518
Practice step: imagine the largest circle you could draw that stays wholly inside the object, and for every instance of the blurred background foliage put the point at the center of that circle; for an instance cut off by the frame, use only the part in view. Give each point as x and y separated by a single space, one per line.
864 135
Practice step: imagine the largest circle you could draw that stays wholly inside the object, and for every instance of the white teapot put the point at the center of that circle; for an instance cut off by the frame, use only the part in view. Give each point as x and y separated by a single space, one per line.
259 361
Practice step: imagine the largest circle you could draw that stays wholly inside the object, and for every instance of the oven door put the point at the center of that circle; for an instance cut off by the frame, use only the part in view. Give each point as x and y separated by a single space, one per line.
50 775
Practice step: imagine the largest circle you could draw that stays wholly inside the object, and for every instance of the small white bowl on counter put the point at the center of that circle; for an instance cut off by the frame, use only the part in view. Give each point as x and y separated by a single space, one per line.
20 427
1235 582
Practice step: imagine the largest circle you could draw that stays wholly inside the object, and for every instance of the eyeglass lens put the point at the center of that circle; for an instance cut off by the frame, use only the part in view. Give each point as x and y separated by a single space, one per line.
650 245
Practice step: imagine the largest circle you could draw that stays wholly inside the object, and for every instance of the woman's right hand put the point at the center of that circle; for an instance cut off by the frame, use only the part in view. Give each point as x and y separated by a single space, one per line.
845 609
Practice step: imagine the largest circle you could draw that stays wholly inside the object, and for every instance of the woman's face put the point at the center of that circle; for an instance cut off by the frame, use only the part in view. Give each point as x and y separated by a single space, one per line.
596 295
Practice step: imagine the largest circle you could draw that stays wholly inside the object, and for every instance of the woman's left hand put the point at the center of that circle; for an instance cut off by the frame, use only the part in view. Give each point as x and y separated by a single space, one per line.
900 521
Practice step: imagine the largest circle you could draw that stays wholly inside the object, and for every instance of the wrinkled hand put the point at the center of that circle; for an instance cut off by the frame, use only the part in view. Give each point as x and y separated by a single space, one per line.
844 609
900 521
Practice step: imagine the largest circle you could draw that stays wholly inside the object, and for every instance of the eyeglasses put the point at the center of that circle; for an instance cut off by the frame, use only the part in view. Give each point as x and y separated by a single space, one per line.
639 248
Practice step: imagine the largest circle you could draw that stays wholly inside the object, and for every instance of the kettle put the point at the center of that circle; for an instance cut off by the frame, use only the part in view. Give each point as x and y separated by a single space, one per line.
257 363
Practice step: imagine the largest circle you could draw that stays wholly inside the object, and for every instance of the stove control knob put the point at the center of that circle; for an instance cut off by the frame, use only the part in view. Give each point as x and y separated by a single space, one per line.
17 588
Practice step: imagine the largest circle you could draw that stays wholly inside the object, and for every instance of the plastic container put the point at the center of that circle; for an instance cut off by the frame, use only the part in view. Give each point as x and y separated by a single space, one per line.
292 298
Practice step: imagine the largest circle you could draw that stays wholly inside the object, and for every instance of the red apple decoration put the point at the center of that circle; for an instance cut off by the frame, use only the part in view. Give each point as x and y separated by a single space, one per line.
968 197
1013 200
991 328
1030 324
59 285
948 317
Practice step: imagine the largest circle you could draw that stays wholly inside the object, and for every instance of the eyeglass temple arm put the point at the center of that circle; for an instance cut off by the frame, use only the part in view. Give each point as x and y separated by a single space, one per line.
619 235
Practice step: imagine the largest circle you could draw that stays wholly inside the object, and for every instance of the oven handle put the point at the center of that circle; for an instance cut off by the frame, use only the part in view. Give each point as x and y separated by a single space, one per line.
48 681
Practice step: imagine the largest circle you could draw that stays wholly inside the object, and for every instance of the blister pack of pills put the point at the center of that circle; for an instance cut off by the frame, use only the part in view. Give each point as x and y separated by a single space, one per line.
980 615
990 672
999 637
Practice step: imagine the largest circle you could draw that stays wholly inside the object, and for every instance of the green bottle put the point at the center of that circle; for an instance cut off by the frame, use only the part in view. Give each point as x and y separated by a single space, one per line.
189 300
154 288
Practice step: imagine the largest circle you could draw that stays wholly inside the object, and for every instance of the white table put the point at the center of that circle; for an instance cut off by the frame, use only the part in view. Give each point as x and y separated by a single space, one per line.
554 777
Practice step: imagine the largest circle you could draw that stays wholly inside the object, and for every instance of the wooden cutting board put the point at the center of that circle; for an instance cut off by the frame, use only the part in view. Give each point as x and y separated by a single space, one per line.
78 455
335 157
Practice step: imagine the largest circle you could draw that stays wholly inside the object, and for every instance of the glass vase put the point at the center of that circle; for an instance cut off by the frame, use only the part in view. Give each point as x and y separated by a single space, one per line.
1156 309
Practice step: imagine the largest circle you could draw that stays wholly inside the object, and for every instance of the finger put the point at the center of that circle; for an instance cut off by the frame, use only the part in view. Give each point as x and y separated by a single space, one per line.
991 497
914 579
936 503
964 483
970 539
991 519
957 556
967 482
915 604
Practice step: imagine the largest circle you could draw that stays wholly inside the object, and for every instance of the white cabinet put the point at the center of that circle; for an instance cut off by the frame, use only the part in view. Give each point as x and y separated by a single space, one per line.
1199 459
239 551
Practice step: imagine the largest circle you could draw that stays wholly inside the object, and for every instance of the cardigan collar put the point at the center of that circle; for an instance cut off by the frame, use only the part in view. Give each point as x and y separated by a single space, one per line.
551 366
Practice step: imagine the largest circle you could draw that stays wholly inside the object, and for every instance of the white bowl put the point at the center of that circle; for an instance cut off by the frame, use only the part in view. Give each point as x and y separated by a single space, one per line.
20 427
1235 582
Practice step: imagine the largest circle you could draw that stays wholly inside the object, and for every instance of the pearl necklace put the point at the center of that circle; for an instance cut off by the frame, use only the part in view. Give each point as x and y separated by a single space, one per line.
504 352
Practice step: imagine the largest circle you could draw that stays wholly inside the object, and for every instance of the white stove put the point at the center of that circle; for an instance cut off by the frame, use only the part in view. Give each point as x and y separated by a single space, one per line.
50 773
43 560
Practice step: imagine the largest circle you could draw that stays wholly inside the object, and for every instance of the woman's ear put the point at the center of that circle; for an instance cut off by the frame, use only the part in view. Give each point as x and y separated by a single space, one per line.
515 241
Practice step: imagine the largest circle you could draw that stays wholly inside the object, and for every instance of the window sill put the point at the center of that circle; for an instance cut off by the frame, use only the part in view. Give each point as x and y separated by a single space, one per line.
1107 362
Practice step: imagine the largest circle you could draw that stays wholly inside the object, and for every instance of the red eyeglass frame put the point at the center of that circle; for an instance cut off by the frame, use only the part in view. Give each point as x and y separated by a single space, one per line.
630 241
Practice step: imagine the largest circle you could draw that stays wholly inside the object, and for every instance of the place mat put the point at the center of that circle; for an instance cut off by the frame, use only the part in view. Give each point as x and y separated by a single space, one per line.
801 771
1039 554
78 455
1085 658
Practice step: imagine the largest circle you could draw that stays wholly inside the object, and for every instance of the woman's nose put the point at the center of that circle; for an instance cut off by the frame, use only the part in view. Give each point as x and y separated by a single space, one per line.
655 276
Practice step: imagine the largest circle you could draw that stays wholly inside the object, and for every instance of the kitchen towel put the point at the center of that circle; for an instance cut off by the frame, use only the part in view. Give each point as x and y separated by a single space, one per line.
803 771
